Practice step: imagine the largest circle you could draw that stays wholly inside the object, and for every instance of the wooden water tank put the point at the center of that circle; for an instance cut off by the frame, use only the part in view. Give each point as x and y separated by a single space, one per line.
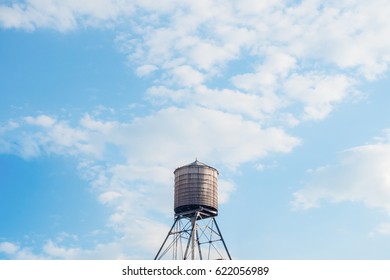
196 186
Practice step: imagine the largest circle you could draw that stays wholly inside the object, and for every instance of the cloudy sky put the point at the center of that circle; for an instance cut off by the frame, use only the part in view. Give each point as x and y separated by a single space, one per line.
100 100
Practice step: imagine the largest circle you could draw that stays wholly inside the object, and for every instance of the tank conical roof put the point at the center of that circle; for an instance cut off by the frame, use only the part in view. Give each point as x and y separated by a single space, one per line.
197 163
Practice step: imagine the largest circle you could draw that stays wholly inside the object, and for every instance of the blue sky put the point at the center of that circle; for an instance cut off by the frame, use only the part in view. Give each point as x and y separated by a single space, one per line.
102 100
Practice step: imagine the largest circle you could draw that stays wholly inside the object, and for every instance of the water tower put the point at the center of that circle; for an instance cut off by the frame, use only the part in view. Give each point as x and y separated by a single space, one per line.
195 234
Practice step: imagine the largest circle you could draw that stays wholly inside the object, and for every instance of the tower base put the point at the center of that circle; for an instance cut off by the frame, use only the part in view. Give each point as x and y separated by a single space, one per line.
194 235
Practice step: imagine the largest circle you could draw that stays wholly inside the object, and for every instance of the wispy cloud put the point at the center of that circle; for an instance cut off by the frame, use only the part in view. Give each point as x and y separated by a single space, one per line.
382 229
361 176
8 248
292 59
55 250
190 44
62 15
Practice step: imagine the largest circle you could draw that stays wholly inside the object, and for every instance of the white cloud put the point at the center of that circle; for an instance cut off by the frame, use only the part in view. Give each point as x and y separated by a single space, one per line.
136 235
205 55
57 137
251 106
252 81
147 233
9 126
268 78
8 247
91 124
145 70
64 139
186 76
153 140
109 196
128 172
55 251
304 30
382 229
282 43
223 137
278 61
62 15
41 120
225 188
317 92
17 252
139 235
331 35
361 176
